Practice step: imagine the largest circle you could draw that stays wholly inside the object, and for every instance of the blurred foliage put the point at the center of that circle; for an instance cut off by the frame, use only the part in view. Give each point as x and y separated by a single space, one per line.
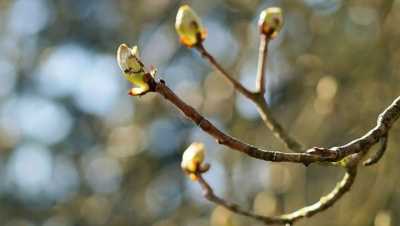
75 149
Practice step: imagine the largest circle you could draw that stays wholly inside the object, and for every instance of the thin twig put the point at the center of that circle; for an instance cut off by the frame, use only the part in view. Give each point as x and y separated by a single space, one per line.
209 194
262 63
261 102
276 129
256 97
324 202
237 85
385 121
342 187
378 155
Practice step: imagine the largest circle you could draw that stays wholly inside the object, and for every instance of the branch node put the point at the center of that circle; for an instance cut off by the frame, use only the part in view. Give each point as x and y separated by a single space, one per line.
379 153
221 141
325 153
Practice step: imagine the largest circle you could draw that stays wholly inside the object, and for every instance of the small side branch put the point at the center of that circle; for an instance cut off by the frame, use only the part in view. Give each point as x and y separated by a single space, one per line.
237 85
256 97
209 194
261 102
276 128
262 63
342 187
385 121
288 219
378 155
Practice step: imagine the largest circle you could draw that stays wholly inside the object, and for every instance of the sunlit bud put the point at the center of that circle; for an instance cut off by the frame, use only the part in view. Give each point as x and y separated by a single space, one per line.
189 27
271 21
193 157
192 160
132 68
128 59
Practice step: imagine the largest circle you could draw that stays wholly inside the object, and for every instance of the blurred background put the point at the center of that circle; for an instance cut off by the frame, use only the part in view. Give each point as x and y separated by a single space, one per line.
76 150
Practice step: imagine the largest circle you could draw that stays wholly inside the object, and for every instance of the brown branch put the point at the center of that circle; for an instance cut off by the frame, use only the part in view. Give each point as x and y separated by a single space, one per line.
276 129
209 194
378 155
262 63
256 97
237 85
224 139
288 219
342 187
261 102
385 121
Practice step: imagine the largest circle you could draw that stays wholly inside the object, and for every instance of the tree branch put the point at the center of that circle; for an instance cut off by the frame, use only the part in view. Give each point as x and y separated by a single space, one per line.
262 63
237 85
324 202
378 155
347 156
385 121
276 129
261 102
256 97
235 144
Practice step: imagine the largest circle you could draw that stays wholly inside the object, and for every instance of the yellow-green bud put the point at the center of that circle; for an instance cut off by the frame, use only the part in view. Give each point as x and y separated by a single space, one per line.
132 68
189 27
192 160
271 21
